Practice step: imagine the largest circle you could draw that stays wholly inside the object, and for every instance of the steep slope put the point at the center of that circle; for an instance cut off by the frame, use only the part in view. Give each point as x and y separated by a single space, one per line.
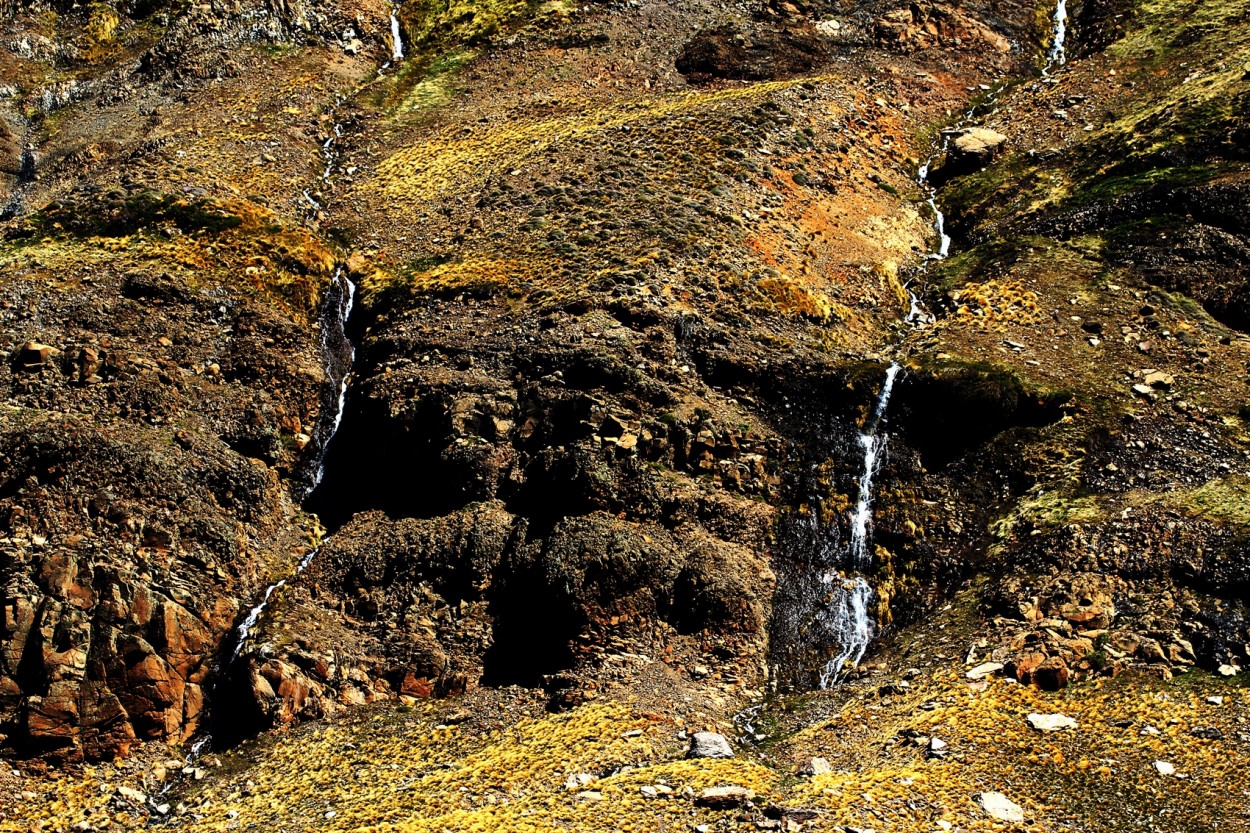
630 278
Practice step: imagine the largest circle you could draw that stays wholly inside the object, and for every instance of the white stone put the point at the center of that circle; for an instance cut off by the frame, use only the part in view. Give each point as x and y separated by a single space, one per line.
999 806
1164 768
709 745
1051 722
723 798
829 28
132 794
985 669
816 766
579 781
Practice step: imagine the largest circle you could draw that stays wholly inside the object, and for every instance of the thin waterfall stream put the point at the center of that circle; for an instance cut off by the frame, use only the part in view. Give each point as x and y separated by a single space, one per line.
397 36
339 354
849 620
848 617
1058 54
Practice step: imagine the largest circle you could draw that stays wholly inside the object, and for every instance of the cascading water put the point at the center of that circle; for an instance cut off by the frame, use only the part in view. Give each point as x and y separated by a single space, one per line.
823 623
1056 57
873 444
851 626
1058 54
847 617
939 219
339 354
397 36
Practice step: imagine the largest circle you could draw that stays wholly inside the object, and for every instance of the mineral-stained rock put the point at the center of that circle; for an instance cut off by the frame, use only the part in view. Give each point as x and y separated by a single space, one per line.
1051 675
33 355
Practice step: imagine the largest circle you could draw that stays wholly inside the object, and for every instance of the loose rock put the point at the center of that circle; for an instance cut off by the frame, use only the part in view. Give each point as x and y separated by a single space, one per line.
999 806
1051 722
709 745
724 798
985 669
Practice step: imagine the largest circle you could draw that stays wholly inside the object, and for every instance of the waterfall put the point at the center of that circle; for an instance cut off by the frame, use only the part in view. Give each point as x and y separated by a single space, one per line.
939 219
1058 54
397 36
847 619
872 444
339 354
851 626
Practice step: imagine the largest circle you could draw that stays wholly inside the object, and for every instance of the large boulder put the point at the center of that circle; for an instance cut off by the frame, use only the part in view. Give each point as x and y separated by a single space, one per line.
967 151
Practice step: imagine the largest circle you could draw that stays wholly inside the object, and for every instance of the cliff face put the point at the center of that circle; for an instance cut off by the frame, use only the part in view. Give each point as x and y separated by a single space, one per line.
627 281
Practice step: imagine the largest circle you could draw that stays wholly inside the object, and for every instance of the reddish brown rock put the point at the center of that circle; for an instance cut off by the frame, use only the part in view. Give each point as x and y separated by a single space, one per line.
1051 675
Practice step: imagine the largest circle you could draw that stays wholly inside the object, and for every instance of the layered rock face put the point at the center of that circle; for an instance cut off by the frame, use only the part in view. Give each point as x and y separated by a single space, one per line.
162 382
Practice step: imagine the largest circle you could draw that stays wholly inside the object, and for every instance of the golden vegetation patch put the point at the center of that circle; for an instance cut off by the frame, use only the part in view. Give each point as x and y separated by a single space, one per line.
996 302
784 295
1100 772
452 161
282 266
476 276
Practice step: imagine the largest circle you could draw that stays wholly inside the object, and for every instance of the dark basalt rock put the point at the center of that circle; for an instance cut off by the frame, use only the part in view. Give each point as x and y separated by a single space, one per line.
760 53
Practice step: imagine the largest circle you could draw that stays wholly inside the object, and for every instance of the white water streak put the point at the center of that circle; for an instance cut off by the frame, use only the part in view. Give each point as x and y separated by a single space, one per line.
331 333
939 219
397 37
244 630
873 443
852 628
1058 55
850 622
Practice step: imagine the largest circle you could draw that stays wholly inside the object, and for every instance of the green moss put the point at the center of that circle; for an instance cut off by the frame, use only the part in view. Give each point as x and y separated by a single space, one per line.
460 23
1046 510
1225 501
423 87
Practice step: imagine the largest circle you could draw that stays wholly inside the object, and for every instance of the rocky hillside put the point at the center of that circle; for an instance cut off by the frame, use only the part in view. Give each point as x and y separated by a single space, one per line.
515 375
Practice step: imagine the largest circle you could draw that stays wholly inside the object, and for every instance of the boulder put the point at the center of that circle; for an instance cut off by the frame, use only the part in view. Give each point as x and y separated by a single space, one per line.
1050 722
724 798
980 143
968 151
709 745
32 355
998 806
1052 675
